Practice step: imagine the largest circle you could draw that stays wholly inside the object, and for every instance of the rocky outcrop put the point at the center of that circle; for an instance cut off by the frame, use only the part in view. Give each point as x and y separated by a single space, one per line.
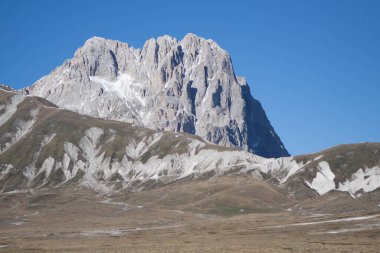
180 86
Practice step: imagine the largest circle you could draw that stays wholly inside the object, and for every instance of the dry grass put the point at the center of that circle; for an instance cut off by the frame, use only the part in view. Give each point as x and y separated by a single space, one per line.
75 220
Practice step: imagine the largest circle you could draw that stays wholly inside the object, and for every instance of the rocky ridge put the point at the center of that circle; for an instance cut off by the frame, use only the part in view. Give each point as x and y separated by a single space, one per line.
60 148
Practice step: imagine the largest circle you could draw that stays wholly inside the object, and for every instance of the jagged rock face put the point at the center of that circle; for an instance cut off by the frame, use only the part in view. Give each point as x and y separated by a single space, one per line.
180 86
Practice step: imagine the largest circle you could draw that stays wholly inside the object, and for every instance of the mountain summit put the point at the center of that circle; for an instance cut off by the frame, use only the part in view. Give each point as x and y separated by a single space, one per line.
169 85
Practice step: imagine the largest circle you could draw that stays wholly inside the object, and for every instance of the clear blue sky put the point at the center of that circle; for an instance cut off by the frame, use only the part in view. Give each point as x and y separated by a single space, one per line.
314 65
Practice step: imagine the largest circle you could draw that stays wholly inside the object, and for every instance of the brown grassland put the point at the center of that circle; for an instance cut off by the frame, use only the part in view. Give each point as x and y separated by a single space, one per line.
227 214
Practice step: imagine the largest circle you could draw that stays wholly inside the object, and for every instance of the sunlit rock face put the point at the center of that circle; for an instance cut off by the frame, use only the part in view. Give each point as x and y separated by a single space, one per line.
179 86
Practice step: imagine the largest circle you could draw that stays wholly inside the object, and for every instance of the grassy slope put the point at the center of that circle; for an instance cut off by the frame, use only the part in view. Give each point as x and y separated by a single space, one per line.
344 160
68 126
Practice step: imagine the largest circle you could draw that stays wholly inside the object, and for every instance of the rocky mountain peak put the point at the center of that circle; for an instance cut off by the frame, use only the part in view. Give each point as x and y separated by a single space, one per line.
181 86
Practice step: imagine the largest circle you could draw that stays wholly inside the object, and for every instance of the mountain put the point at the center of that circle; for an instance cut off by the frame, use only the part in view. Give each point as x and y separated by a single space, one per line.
129 176
168 85
60 148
